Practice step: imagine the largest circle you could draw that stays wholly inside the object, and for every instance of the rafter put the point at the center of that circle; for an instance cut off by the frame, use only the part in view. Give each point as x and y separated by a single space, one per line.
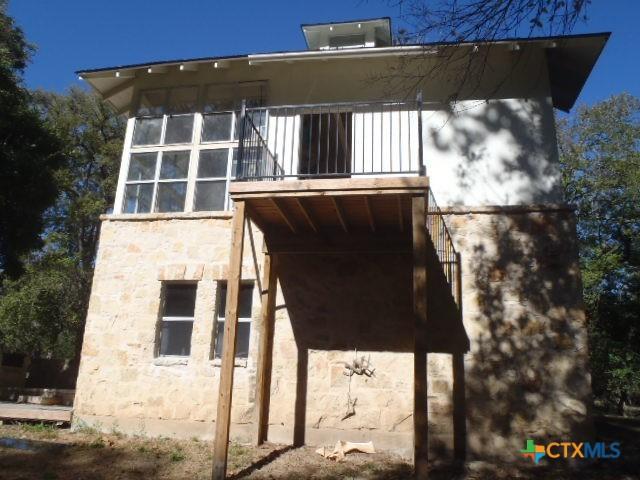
400 219
340 213
367 207
282 214
307 214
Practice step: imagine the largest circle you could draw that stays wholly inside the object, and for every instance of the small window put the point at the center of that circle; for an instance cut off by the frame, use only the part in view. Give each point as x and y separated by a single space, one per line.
177 319
138 193
172 185
211 182
216 127
244 319
179 129
147 131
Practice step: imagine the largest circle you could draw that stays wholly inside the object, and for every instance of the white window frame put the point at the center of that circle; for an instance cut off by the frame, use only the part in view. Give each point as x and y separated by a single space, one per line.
170 318
156 176
219 318
195 146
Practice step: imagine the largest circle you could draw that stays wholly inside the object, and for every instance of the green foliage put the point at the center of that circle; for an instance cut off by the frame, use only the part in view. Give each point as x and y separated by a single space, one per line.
40 312
600 155
30 154
59 159
43 311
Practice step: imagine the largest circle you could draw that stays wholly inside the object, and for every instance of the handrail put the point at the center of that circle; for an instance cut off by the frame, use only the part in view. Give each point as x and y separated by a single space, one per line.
341 139
255 160
443 245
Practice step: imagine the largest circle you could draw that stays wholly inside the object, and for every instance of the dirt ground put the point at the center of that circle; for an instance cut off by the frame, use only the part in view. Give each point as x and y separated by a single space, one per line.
41 452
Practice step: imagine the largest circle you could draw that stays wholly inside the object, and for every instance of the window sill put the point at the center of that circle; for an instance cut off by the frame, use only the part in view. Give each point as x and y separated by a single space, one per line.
239 362
138 217
170 361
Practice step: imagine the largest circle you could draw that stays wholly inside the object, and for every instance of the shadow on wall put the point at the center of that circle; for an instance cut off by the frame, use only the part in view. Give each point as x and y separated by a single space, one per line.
497 152
527 374
364 303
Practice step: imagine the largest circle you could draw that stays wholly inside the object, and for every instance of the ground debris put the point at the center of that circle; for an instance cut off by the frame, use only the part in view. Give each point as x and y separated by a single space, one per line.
342 448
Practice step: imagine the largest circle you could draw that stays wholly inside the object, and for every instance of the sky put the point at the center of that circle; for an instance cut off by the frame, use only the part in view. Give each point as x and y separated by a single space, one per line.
83 34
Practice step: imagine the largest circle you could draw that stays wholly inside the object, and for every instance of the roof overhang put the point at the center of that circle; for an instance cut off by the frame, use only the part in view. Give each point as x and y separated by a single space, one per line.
374 32
570 61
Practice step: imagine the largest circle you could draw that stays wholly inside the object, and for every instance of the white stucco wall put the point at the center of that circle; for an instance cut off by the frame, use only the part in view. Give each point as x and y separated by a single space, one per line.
499 152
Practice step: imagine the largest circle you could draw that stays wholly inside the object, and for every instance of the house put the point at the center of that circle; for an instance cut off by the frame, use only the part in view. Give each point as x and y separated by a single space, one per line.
276 265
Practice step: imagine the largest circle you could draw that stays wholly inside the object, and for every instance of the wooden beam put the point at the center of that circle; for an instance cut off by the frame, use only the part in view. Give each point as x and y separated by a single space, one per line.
420 414
459 407
265 347
335 186
338 242
367 207
223 417
400 219
307 214
340 213
282 214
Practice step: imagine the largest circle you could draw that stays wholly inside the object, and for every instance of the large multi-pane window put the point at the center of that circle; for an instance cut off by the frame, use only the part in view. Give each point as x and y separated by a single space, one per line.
184 148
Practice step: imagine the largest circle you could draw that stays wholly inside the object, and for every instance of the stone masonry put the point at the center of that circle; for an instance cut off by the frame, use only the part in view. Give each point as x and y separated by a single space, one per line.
526 373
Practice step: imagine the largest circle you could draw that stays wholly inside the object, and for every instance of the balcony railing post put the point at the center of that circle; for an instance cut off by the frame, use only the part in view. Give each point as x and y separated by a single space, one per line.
241 135
421 166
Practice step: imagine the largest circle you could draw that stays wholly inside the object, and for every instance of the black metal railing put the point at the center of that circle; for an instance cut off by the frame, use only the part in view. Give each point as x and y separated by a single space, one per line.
255 160
445 250
330 140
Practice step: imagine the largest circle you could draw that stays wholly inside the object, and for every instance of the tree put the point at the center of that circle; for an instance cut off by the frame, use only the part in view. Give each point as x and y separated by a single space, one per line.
600 156
487 20
30 154
43 311
476 21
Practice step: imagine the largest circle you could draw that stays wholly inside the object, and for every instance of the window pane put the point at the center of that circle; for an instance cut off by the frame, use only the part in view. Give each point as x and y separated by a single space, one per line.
213 163
147 131
179 300
171 196
216 127
234 162
242 342
183 100
174 165
137 198
175 338
210 196
142 166
152 102
246 298
179 129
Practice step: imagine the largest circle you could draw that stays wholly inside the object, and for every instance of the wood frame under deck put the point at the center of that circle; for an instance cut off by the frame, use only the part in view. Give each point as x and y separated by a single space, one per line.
322 216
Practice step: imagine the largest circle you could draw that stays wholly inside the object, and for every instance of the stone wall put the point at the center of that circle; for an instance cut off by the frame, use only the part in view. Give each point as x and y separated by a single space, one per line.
526 373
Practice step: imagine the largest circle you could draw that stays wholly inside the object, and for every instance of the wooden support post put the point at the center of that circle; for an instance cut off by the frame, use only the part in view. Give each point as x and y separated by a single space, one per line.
223 416
420 414
459 408
459 395
265 348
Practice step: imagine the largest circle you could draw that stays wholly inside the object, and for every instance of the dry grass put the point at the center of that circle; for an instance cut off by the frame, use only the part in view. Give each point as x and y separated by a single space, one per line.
42 452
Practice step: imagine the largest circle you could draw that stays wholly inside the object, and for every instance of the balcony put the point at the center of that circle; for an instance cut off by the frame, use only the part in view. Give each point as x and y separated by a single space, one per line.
341 181
338 140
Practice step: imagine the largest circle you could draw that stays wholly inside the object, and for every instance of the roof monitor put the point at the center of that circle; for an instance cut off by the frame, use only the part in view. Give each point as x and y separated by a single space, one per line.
351 34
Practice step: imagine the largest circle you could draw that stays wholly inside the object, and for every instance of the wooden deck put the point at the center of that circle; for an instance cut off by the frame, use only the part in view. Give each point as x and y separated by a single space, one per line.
29 411
316 216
